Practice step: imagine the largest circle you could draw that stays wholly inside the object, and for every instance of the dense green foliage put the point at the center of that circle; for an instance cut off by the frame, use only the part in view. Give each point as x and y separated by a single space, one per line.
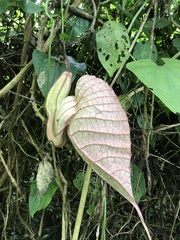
36 43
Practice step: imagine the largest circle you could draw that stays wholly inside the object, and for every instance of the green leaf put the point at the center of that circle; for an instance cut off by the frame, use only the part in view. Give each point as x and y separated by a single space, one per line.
142 51
44 82
112 46
176 43
90 209
160 23
76 67
78 181
64 37
29 6
35 203
163 81
138 182
4 4
75 27
40 62
38 57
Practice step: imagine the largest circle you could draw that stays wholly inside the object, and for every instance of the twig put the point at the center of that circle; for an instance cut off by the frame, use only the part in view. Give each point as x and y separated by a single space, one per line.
166 127
16 79
5 218
9 173
175 218
163 159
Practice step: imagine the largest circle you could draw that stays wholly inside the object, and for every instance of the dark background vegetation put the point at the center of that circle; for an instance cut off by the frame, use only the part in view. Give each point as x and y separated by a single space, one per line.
23 142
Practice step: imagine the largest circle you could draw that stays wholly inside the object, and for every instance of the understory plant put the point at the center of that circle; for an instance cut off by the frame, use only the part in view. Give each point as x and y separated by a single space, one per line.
98 128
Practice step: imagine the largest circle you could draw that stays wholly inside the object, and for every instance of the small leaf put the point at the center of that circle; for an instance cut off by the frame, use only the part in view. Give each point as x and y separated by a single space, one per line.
78 181
138 182
90 209
64 37
163 81
142 51
76 26
112 46
44 177
80 68
36 203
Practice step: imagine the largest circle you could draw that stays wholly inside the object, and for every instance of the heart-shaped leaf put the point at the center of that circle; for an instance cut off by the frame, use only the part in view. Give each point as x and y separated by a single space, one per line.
163 81
98 129
100 133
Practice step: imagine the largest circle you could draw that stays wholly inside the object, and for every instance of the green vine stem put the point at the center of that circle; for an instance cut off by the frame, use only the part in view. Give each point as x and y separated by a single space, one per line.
136 15
82 203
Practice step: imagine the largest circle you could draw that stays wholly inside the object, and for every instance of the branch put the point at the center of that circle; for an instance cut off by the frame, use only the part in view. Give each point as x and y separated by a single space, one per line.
16 79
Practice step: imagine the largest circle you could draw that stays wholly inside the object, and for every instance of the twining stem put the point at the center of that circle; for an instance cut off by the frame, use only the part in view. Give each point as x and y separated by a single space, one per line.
136 15
82 203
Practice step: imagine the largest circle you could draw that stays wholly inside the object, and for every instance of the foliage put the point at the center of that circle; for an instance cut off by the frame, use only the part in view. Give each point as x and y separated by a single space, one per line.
46 77
40 41
25 5
36 203
138 183
112 46
154 77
